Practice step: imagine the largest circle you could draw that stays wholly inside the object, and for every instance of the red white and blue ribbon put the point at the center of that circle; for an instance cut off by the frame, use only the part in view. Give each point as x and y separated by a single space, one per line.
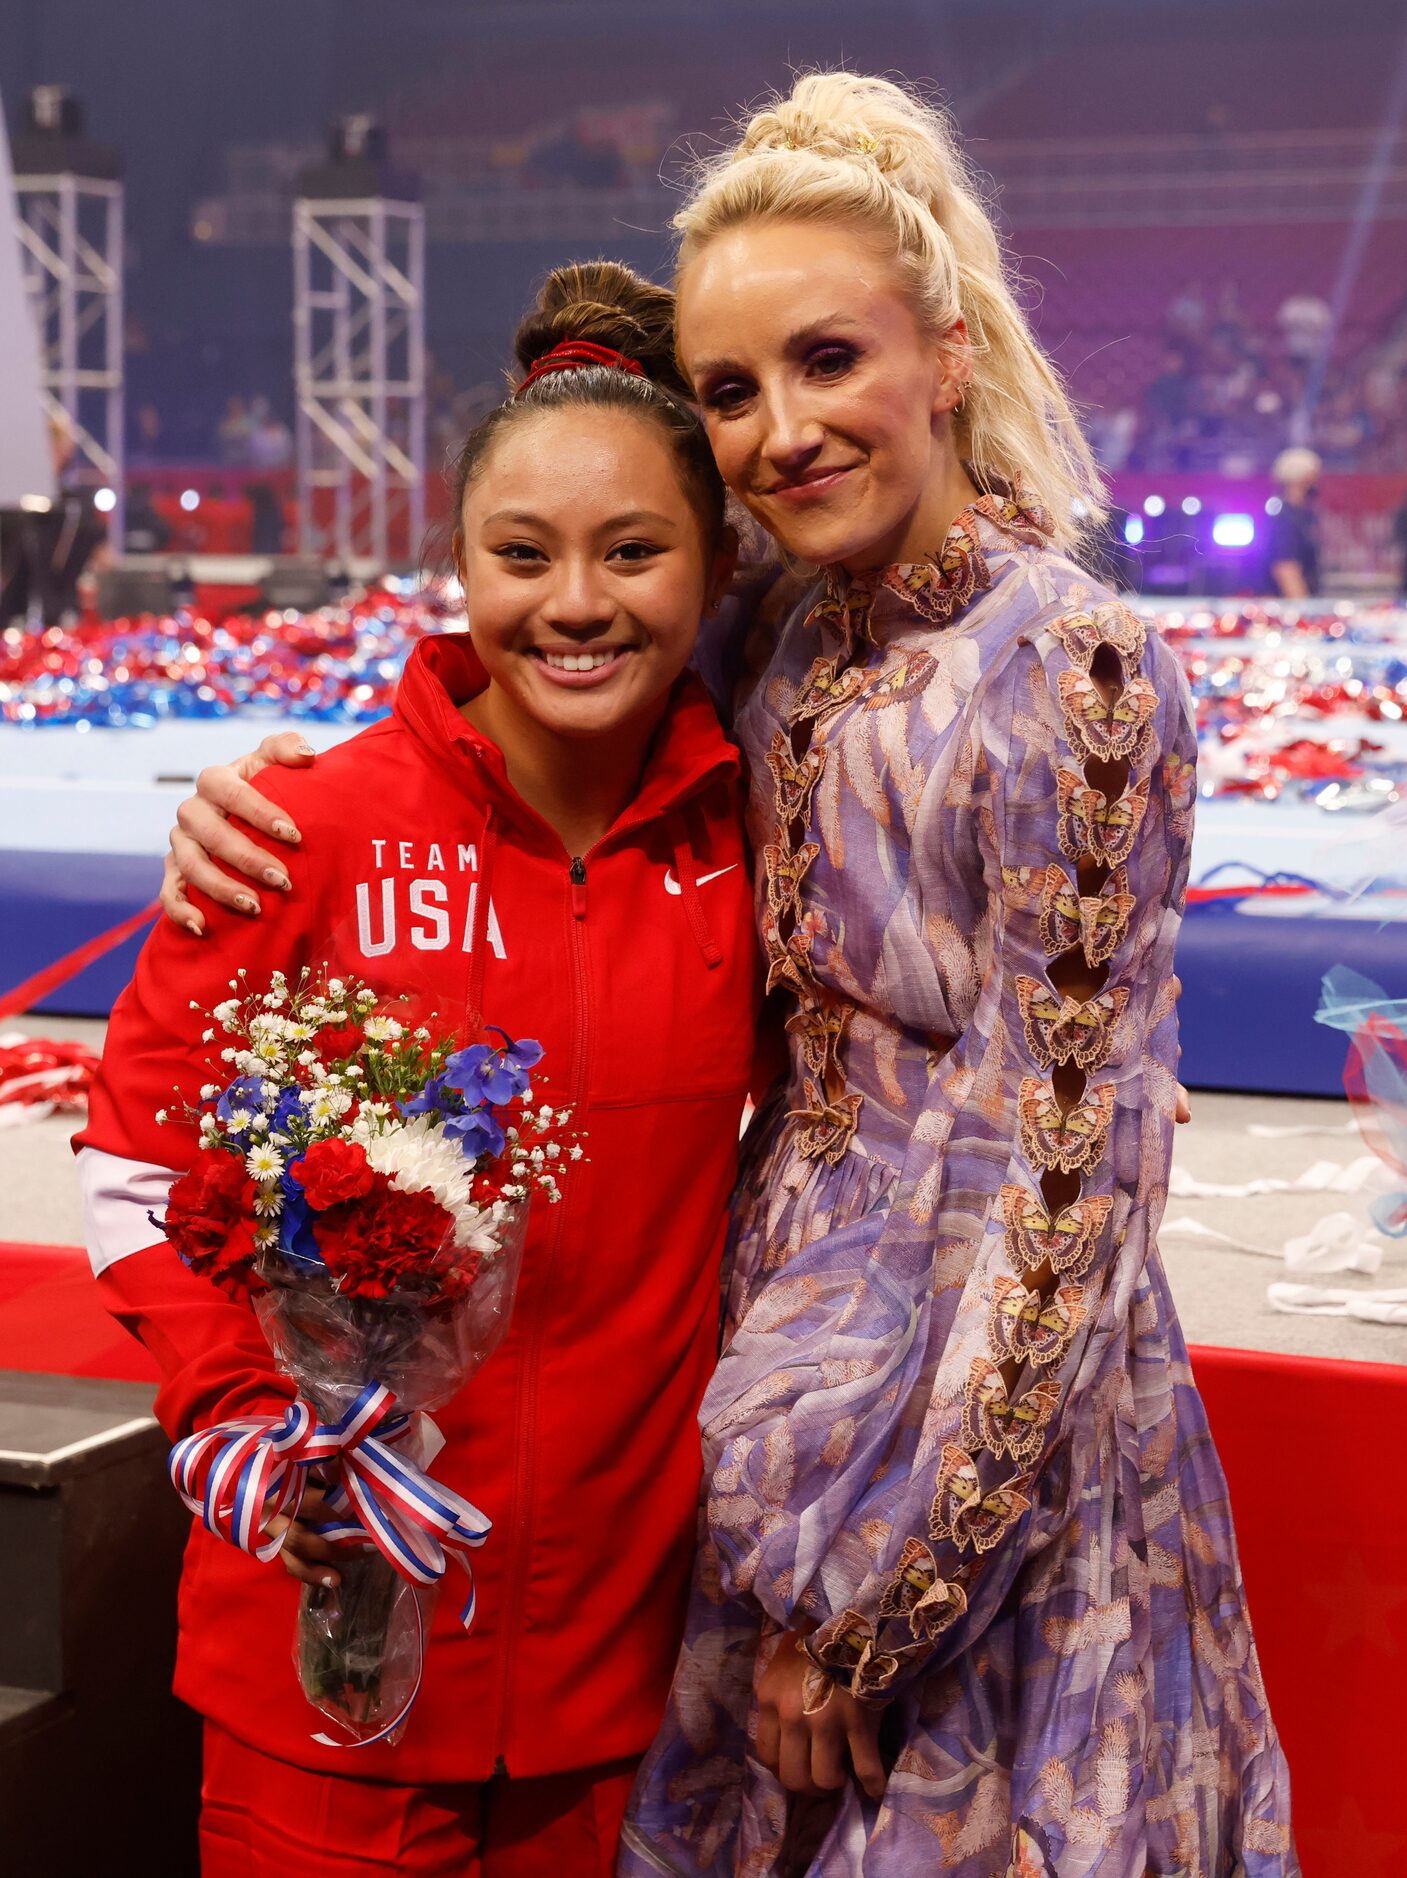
253 1470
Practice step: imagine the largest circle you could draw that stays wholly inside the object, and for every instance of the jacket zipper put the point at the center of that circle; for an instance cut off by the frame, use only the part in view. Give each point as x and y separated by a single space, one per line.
527 1421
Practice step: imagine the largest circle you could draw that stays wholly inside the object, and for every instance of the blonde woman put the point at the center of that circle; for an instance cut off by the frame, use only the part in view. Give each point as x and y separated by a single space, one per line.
968 1568
967 1597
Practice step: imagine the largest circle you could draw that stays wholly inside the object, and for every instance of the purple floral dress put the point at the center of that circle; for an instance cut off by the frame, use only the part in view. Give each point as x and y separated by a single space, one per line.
954 1426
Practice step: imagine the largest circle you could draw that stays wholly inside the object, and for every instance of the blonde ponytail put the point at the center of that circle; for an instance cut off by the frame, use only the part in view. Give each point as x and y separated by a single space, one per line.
870 153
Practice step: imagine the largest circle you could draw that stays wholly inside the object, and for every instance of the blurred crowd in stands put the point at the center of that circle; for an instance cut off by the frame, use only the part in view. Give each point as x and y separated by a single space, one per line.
251 435
1231 393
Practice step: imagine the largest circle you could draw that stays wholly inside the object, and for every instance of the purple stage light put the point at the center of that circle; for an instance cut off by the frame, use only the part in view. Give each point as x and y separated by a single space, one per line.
1233 531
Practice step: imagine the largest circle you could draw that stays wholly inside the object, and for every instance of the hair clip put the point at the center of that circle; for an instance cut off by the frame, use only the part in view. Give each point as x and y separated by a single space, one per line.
866 144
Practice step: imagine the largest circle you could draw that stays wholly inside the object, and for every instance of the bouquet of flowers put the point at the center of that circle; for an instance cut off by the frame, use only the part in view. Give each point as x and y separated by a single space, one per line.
366 1184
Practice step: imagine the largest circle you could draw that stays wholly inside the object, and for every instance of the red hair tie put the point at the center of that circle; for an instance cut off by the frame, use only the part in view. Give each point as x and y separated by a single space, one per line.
576 352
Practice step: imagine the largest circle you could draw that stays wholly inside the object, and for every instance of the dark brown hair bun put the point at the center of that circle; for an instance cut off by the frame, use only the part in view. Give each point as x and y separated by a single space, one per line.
607 304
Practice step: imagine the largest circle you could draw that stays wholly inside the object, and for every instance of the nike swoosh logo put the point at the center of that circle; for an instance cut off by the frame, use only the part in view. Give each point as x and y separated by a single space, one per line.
671 885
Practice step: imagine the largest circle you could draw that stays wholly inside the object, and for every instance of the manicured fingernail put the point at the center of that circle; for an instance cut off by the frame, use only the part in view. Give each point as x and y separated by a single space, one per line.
306 749
329 1579
245 904
193 927
276 879
286 831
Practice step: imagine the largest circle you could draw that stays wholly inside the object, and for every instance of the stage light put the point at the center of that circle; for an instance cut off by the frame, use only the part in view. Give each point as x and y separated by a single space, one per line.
1153 505
190 500
1233 531
105 501
1192 505
1273 505
1133 529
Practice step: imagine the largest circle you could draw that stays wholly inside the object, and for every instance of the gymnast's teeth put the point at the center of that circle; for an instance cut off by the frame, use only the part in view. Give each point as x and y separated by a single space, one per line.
577 661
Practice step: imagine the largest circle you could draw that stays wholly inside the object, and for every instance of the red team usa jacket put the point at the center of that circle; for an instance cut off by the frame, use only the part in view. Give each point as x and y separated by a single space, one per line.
635 964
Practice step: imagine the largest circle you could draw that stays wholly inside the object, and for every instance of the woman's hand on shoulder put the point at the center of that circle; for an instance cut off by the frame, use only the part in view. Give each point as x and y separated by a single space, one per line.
810 1733
203 835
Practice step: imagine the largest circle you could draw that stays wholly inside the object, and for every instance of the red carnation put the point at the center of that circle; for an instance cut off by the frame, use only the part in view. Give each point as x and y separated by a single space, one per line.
331 1172
210 1219
384 1240
335 1046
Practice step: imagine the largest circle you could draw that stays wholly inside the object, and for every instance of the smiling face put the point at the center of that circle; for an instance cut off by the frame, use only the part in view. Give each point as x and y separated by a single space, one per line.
825 398
586 566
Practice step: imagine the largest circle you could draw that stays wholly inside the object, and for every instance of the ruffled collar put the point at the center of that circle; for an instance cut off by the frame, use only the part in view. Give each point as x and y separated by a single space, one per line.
933 590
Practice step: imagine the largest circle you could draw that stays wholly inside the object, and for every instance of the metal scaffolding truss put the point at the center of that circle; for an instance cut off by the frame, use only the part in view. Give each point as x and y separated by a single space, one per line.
70 235
359 375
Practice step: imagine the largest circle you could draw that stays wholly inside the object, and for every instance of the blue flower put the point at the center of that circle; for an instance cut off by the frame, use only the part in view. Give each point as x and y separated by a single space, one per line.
245 1092
482 1074
432 1100
519 1058
290 1108
496 1076
478 1133
527 1052
296 1239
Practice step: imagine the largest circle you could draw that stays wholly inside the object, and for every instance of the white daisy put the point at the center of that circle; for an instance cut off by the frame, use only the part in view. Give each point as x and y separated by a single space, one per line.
327 1104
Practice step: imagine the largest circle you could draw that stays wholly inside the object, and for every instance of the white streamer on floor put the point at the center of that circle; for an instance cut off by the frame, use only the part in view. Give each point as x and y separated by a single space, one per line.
1297 1131
1322 1177
1339 1242
1373 1307
1335 1243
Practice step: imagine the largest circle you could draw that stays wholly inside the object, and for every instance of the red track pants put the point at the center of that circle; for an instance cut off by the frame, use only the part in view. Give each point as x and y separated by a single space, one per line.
262 1818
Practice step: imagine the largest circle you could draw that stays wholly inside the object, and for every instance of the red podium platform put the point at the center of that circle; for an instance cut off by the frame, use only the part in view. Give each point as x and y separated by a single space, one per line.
1311 1455
51 1319
1311 1452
